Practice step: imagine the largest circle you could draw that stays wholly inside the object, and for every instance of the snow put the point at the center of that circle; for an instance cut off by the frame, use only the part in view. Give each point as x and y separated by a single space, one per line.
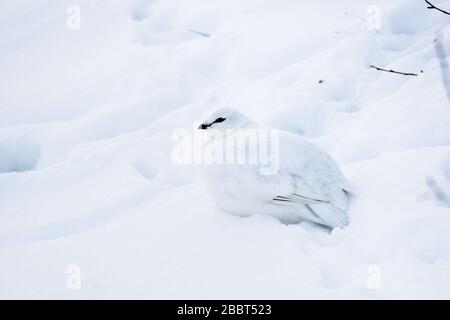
86 118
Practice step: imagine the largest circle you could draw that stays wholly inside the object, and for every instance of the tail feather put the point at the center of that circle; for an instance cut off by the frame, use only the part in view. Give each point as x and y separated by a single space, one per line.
322 211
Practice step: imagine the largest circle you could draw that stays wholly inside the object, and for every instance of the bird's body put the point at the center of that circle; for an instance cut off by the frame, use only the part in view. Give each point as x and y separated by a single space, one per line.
308 185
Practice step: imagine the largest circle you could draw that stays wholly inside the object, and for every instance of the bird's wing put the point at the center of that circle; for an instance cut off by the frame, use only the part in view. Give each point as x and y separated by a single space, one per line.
315 173
317 182
321 211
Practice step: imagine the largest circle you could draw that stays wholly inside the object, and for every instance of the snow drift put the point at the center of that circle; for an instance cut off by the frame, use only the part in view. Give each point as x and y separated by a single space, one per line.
86 118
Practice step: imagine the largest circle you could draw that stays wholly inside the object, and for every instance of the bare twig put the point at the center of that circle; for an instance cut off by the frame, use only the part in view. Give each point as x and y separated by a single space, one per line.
355 16
393 71
200 33
349 33
432 6
349 14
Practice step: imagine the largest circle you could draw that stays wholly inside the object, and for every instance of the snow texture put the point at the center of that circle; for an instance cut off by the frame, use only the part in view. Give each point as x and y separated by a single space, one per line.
87 115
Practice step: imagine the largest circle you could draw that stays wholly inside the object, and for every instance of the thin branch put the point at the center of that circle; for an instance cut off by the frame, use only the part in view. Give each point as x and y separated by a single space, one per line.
432 6
346 33
393 71
200 33
355 16
349 14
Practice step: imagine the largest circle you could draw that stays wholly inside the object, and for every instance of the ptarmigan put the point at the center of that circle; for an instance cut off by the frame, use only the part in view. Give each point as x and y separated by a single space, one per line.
307 186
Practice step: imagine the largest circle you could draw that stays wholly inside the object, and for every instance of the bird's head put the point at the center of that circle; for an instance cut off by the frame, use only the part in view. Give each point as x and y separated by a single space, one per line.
226 119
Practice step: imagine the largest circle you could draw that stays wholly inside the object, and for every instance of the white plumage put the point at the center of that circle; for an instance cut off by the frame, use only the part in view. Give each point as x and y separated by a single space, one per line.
309 186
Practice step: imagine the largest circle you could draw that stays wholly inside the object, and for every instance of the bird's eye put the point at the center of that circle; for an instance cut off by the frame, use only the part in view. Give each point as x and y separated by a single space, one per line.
219 120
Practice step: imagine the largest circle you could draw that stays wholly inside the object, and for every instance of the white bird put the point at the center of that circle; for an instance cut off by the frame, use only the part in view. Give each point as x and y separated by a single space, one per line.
308 185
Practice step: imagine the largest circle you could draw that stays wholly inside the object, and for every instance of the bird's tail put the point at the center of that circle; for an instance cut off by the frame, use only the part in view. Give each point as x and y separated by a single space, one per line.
330 215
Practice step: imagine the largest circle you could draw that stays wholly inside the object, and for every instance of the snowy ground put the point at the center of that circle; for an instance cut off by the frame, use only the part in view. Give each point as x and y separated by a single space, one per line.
86 118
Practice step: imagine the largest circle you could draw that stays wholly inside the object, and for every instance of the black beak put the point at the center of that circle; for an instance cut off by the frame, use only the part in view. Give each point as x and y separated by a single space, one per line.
203 126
